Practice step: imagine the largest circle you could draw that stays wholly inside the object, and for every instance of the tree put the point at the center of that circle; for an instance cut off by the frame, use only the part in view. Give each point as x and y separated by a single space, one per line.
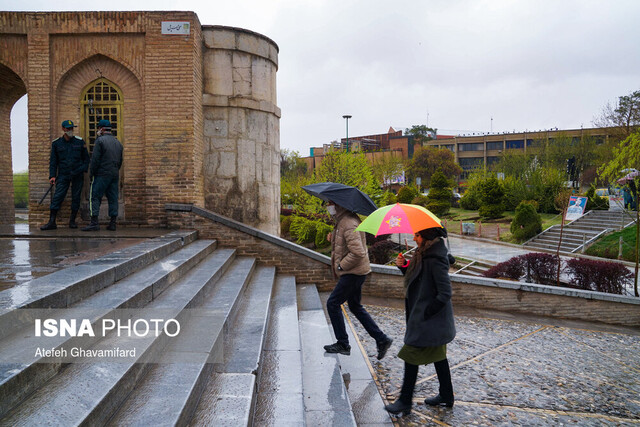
293 175
421 133
291 163
387 167
439 197
625 157
491 198
426 160
349 169
625 116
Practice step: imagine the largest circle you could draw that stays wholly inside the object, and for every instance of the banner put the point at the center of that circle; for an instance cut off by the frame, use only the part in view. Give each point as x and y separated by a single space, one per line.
576 208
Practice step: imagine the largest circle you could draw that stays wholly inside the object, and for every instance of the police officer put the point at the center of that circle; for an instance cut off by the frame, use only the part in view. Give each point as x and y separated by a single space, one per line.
106 161
68 162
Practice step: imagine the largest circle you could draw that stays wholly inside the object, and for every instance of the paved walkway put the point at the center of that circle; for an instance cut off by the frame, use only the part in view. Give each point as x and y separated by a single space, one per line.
520 370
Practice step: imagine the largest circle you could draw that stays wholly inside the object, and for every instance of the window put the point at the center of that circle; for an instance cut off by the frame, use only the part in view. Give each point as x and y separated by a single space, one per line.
449 147
515 143
101 100
471 147
469 163
494 145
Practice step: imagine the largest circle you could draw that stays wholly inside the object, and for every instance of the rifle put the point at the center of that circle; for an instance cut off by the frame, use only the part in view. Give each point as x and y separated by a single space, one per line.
45 194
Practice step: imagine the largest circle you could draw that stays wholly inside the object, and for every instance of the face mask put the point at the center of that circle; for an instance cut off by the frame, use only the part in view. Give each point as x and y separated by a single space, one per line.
99 132
69 133
331 209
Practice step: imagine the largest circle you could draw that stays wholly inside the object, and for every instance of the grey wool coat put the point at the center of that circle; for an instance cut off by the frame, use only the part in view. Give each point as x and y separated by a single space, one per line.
428 301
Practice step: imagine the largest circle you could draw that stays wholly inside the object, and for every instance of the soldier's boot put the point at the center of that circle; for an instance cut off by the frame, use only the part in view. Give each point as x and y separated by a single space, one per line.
51 225
72 220
93 225
112 224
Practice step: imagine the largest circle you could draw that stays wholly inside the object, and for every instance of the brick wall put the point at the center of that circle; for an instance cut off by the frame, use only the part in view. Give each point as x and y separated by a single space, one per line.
311 268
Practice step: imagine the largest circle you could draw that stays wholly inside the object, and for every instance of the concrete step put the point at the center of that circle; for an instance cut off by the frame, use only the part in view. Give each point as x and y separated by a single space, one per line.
23 371
366 402
65 287
89 393
229 396
169 394
551 247
279 399
326 401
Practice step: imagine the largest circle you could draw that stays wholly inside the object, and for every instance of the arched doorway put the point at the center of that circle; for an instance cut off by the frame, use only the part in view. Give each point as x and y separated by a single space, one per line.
102 99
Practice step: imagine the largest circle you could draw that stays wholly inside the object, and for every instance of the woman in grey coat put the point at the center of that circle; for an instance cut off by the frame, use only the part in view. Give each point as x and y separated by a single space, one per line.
429 315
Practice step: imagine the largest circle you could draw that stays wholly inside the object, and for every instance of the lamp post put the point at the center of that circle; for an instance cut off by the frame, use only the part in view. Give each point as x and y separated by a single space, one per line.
347 117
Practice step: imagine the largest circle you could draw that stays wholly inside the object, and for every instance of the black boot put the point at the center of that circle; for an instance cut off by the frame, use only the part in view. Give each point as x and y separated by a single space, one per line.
72 219
399 406
51 225
445 397
93 225
403 404
112 224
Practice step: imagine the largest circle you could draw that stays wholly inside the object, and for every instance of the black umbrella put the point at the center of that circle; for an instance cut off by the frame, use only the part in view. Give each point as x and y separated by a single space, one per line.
346 196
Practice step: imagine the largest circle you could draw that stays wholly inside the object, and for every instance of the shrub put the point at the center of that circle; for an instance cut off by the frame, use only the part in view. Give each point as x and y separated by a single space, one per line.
537 267
387 198
285 223
406 194
601 276
381 251
420 200
322 230
303 230
541 268
595 202
526 222
513 268
470 201
439 207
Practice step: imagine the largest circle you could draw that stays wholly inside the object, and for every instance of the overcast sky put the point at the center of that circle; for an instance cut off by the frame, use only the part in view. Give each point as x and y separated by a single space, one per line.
451 64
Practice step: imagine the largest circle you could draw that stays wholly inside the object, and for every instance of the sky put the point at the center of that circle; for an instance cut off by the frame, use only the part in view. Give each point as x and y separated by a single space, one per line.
460 66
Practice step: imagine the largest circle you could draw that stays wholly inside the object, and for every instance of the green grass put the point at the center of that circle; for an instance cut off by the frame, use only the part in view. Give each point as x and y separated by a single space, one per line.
608 246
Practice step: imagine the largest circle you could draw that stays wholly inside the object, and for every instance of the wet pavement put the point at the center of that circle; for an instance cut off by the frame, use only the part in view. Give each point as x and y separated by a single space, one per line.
27 252
520 370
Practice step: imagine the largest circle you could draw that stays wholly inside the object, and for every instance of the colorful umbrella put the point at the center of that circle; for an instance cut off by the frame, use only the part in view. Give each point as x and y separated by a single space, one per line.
629 177
399 218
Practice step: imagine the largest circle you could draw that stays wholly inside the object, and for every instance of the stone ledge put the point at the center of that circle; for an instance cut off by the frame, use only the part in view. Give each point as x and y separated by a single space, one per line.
209 100
545 289
231 223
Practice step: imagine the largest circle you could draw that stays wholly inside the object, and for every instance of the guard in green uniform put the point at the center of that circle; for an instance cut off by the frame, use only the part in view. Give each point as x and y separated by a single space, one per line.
68 162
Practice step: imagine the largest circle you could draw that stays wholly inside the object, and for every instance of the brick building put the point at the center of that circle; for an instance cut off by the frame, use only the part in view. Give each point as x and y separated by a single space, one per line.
194 106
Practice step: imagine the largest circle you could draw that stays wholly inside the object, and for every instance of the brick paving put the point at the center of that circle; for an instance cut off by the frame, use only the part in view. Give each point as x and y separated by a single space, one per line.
528 371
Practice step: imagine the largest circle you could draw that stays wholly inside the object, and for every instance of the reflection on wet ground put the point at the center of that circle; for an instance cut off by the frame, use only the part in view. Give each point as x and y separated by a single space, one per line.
24 259
27 253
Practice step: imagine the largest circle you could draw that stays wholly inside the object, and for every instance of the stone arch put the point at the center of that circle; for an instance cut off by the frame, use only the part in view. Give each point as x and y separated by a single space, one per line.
12 88
68 105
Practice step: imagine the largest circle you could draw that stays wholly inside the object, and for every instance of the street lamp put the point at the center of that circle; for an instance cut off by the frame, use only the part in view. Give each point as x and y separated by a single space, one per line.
347 117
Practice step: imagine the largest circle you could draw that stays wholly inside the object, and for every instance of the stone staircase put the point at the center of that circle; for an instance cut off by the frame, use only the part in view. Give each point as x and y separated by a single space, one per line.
249 350
474 268
581 232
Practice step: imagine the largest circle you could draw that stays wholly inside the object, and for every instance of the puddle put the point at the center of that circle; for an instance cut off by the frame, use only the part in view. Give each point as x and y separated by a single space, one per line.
23 259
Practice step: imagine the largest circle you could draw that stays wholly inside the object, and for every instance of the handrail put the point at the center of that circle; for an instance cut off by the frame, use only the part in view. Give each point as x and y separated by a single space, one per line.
468 265
606 230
